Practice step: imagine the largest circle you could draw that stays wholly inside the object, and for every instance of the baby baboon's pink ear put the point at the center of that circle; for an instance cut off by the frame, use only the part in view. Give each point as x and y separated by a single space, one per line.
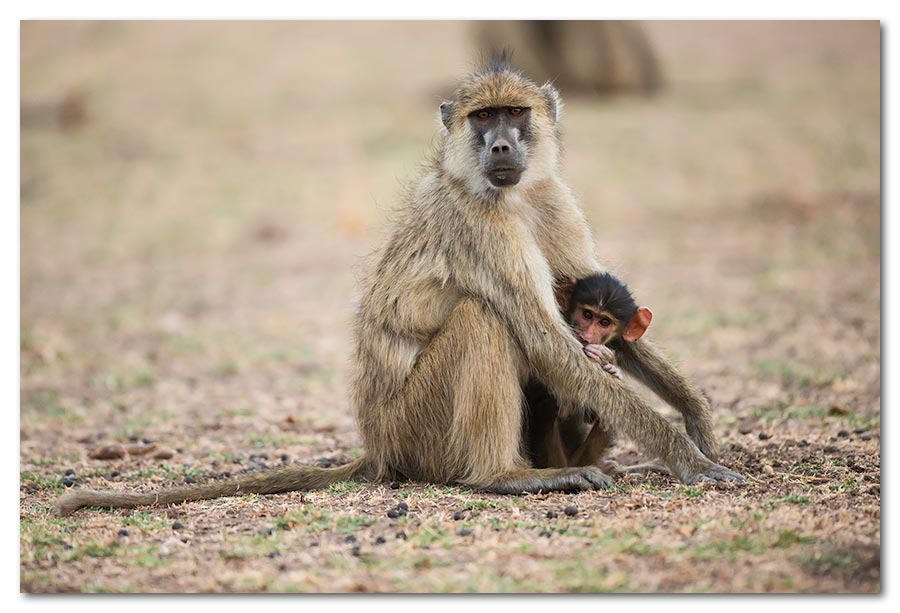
638 324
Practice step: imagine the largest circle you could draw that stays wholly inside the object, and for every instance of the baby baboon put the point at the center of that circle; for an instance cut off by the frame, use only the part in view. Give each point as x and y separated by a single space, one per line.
458 313
600 309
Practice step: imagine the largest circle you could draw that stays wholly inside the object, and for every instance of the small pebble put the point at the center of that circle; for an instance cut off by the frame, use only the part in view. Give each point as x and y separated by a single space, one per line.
114 473
458 516
401 535
356 550
571 510
843 434
177 525
123 532
865 437
190 480
859 430
314 543
70 472
380 540
393 514
274 554
68 482
551 514
768 470
284 458
350 539
464 532
804 443
146 441
763 436
403 506
545 533
395 485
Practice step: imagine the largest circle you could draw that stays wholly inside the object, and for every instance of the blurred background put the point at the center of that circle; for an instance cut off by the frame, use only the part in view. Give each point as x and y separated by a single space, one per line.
198 200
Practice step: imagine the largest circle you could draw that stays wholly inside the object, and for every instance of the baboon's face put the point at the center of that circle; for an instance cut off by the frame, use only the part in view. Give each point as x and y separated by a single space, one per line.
500 131
501 134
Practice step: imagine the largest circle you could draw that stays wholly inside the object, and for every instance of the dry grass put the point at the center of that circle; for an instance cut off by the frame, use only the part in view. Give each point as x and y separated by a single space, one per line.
189 261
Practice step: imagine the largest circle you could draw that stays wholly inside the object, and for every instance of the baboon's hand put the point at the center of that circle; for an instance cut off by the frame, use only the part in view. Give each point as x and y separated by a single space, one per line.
699 432
707 471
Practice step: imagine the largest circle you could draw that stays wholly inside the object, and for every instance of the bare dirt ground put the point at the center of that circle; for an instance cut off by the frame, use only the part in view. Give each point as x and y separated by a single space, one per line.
191 246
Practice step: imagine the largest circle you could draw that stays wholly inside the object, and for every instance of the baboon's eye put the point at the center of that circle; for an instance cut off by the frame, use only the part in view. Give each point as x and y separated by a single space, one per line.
587 314
515 111
484 115
605 322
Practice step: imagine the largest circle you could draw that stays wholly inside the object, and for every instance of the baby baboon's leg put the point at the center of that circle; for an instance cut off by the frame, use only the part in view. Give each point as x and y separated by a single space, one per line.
543 439
592 448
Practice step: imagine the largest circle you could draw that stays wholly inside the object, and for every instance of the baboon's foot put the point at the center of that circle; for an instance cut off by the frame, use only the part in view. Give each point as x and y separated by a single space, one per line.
534 480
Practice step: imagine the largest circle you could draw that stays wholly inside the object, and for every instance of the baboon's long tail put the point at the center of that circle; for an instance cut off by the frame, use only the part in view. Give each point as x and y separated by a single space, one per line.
289 479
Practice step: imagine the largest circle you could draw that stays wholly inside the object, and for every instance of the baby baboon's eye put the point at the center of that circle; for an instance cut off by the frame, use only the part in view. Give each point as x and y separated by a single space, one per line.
587 314
483 115
605 322
516 110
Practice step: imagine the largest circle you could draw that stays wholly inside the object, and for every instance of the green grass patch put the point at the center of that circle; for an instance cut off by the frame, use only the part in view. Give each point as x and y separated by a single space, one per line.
481 505
788 538
790 373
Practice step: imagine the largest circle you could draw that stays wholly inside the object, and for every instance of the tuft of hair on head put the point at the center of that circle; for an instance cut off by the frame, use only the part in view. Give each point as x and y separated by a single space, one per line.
500 61
607 292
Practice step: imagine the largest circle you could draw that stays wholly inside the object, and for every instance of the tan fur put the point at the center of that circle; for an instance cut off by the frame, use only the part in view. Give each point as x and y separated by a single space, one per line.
457 313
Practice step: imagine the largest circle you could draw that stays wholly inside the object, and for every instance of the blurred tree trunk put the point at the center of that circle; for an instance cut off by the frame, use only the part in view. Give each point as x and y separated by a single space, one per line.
604 57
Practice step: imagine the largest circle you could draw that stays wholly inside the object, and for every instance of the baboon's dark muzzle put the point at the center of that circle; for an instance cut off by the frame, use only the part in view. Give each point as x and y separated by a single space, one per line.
504 165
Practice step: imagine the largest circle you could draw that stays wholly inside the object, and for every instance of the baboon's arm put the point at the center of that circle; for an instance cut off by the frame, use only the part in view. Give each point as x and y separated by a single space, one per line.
648 365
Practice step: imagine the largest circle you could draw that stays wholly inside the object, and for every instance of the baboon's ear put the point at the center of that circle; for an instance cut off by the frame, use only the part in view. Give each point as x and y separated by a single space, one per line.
638 324
554 102
446 112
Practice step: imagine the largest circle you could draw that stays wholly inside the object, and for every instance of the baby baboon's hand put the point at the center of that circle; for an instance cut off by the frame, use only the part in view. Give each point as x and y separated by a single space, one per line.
604 356
600 353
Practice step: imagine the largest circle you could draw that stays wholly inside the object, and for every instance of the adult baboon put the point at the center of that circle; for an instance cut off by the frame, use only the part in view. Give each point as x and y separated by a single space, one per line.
459 312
